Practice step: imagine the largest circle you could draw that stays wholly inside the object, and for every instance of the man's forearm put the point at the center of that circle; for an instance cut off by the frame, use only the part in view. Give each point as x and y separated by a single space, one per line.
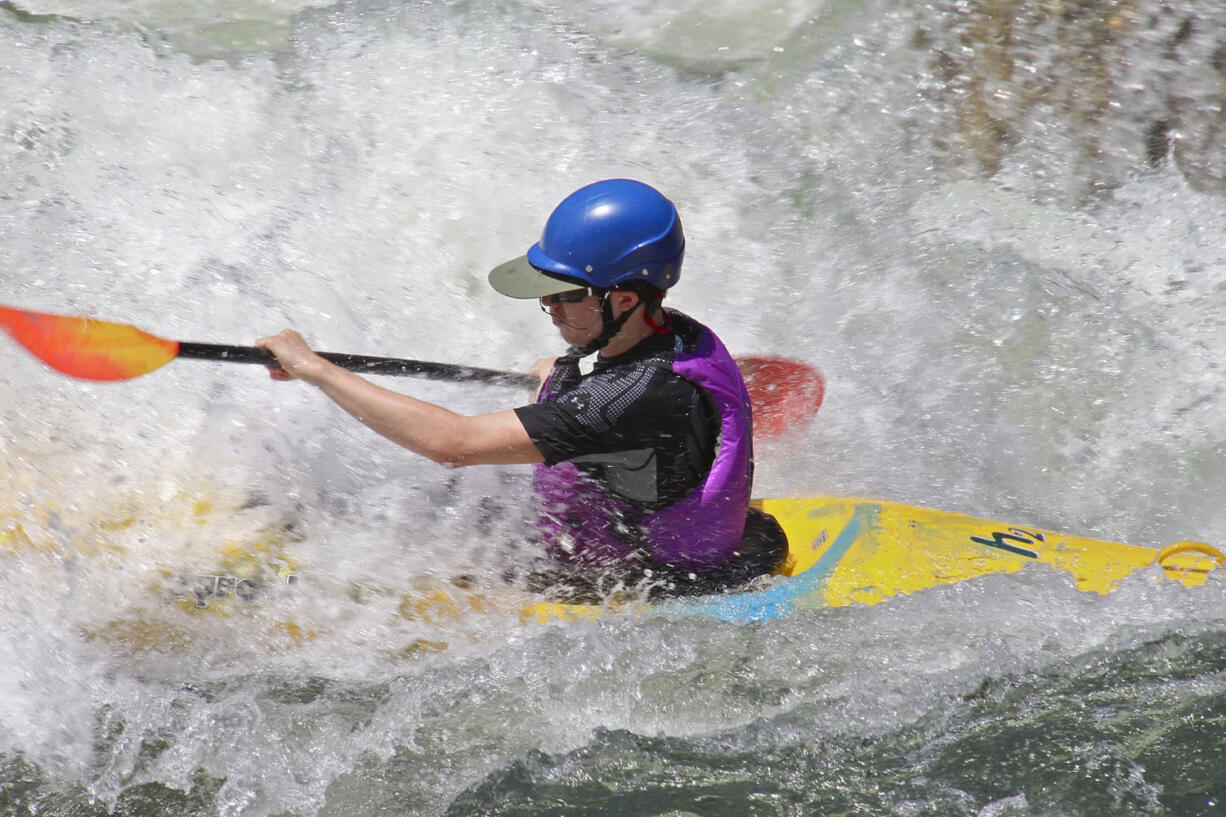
424 428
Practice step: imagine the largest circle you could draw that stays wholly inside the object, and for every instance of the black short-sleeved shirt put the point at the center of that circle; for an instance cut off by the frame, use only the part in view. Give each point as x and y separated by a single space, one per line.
643 432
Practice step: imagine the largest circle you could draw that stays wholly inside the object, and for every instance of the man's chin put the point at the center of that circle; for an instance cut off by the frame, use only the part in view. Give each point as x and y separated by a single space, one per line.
574 337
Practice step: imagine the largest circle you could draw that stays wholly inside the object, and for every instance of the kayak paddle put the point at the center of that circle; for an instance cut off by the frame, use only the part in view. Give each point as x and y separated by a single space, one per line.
784 392
91 349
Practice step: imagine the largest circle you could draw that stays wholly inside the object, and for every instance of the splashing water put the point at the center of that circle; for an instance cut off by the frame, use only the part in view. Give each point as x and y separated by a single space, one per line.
995 227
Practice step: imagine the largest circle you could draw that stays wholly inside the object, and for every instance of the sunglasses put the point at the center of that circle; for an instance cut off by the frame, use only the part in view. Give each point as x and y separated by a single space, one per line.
570 296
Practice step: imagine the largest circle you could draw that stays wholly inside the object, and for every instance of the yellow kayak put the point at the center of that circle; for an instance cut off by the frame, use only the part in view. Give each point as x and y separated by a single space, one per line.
842 551
864 551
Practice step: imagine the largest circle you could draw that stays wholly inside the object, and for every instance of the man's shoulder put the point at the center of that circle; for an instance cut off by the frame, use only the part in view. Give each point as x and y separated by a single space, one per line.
643 385
687 333
642 374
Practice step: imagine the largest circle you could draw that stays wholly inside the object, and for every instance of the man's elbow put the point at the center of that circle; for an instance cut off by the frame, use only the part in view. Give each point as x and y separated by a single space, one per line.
473 441
454 450
468 452
448 453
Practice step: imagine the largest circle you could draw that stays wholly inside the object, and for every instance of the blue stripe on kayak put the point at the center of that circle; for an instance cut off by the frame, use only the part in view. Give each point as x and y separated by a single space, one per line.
781 599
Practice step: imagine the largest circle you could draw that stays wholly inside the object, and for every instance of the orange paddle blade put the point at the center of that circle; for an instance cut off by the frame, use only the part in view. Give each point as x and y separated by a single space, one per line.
785 394
88 348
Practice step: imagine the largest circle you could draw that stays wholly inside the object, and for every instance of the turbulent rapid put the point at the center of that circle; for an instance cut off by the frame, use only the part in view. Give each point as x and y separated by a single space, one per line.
995 227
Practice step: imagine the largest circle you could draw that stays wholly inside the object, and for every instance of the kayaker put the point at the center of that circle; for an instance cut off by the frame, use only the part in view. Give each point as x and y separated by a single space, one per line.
644 465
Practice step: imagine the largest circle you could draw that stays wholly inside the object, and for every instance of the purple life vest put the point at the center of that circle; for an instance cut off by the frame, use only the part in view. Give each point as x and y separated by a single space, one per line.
584 524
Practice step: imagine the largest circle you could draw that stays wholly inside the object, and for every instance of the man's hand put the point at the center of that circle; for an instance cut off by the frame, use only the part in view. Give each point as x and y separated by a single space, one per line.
541 369
295 360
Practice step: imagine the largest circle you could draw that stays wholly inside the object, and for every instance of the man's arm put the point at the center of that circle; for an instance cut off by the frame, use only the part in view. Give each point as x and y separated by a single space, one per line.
424 428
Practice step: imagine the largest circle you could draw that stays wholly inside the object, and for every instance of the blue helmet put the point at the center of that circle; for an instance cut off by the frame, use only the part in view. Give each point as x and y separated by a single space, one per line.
604 235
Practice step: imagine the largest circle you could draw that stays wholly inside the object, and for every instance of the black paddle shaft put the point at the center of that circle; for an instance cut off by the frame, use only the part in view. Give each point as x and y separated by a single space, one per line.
364 364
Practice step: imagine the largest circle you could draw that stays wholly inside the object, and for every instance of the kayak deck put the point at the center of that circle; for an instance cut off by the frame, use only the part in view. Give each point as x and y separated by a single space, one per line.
842 551
860 551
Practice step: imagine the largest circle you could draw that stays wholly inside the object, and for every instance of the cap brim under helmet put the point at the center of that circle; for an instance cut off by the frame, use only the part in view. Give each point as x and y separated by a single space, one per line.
519 279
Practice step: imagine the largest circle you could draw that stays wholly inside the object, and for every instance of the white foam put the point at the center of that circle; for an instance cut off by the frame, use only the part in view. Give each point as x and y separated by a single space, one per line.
988 349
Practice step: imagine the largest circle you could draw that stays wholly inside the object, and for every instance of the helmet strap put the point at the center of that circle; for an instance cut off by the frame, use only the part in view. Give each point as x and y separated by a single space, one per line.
612 326
664 328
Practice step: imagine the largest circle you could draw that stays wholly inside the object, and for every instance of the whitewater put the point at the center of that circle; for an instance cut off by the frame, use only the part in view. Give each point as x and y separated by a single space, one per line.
996 228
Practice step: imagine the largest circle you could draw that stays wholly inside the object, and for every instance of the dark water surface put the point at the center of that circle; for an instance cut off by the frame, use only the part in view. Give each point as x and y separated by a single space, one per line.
996 227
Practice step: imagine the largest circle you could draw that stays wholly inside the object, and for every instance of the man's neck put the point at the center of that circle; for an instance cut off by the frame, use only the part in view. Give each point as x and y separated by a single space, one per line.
632 334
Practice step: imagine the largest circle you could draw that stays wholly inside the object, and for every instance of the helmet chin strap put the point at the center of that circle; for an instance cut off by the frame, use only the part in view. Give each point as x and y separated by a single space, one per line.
612 326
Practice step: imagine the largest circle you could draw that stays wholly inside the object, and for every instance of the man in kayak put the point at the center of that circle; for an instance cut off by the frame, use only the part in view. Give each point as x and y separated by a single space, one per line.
644 466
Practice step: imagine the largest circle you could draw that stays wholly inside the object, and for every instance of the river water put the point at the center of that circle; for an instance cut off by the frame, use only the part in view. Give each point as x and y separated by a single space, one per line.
995 226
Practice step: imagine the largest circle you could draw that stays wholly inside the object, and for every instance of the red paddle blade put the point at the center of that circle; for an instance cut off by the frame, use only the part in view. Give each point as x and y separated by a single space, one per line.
88 348
785 394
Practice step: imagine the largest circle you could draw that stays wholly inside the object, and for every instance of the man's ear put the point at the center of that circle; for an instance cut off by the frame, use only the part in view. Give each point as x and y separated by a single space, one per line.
623 300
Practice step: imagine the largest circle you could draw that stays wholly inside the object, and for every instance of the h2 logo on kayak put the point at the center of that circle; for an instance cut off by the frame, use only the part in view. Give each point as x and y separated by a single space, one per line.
1001 540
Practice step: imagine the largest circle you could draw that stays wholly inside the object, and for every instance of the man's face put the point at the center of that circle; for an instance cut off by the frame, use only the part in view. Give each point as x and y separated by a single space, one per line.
576 313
